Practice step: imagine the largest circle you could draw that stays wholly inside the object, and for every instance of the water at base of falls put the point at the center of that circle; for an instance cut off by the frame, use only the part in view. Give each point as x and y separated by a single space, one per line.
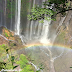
40 57
37 38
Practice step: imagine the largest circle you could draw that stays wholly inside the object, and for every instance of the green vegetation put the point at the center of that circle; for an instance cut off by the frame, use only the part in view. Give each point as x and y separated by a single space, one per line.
6 34
48 13
8 64
2 48
25 66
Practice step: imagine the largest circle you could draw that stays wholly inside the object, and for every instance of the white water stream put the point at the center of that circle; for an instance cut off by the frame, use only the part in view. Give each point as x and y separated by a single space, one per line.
34 31
17 21
44 38
11 16
5 12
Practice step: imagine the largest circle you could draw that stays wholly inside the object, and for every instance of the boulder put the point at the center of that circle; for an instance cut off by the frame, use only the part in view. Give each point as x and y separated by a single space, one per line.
7 33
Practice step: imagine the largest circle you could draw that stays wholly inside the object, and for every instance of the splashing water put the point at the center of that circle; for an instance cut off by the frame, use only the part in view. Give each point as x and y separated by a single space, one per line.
44 39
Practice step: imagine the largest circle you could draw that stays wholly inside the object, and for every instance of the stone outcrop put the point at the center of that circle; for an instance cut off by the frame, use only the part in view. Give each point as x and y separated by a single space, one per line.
7 35
3 40
64 31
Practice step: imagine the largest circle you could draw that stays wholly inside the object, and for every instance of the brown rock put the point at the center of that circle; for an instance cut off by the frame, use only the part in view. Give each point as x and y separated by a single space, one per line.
7 33
3 40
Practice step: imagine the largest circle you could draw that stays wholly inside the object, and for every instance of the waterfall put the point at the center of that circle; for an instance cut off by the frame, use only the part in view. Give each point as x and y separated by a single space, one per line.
31 23
45 30
11 16
17 17
28 22
34 33
1 15
1 18
44 38
5 12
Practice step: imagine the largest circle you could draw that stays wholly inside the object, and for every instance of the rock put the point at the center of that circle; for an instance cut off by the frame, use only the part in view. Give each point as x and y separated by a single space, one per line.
3 40
7 33
8 37
18 39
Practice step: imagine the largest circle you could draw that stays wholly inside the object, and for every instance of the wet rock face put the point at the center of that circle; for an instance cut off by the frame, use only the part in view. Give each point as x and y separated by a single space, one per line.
1 29
7 35
3 41
4 30
63 30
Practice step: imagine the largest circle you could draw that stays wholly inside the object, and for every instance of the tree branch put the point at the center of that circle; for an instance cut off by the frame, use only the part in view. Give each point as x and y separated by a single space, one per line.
63 11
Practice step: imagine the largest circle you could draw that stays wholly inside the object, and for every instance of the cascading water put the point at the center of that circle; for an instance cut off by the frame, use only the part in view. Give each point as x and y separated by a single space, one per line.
18 19
5 12
11 16
44 38
33 32
37 32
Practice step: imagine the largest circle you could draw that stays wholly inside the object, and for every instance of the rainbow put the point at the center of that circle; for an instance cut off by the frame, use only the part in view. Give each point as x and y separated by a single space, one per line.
55 45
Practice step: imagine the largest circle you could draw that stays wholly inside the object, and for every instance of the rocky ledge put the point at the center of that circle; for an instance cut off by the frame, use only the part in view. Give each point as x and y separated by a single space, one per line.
8 37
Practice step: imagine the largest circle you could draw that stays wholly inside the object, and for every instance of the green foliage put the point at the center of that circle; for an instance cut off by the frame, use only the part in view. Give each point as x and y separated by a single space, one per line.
68 4
48 13
6 34
38 71
41 21
27 68
41 67
10 61
40 13
12 44
8 65
2 48
70 67
1 65
23 62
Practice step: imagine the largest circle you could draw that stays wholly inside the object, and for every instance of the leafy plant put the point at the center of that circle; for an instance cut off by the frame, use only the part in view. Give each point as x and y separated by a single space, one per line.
23 62
6 34
50 10
9 63
2 64
2 49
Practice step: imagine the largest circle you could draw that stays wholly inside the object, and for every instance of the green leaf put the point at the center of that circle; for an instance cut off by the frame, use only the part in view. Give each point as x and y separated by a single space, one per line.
15 66
7 51
12 58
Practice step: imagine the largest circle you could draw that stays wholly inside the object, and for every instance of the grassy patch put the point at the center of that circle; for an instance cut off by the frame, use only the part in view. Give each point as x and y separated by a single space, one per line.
25 66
